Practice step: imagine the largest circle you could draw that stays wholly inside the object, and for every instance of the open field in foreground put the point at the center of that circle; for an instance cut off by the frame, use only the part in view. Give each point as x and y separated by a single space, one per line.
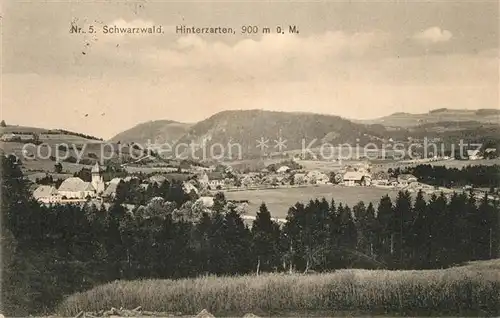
280 200
468 290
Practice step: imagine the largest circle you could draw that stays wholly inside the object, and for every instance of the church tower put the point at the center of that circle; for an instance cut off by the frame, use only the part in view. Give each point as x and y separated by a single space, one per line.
97 179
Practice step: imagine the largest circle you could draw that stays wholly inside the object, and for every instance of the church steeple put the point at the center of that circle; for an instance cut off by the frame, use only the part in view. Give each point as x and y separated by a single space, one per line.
96 168
97 179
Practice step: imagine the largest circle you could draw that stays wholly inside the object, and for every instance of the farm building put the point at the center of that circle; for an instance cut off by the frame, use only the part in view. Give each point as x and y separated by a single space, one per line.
16 136
406 179
354 178
317 177
490 150
157 178
216 180
8 137
299 178
46 194
283 169
188 186
207 202
111 188
473 154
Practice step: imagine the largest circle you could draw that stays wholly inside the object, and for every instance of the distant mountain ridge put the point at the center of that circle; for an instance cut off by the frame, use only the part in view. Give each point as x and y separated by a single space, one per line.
248 128
403 119
259 132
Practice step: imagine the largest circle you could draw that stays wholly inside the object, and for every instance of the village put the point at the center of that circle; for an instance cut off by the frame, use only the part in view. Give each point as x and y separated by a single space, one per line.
78 182
204 182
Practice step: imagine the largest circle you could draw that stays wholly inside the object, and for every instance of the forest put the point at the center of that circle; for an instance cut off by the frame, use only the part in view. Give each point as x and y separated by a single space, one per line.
480 176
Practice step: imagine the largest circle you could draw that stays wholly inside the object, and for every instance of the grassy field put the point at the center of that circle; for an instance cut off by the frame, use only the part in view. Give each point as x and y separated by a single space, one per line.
279 201
467 290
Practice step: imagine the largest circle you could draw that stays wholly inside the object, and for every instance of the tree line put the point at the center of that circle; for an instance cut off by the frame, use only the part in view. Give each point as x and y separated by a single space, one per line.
49 252
474 175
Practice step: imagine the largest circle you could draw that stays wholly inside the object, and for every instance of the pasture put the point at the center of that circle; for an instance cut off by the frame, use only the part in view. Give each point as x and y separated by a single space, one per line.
279 200
472 290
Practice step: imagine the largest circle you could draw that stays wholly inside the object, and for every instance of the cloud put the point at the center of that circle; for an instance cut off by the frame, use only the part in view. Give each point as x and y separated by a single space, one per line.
270 56
433 35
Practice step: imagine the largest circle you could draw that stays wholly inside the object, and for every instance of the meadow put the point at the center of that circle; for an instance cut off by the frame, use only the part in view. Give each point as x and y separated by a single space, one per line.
468 290
279 200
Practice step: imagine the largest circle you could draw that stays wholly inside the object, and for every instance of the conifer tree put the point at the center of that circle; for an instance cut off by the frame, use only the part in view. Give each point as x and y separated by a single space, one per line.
385 217
202 243
420 230
348 234
454 238
401 228
471 212
368 229
483 227
360 215
113 242
237 259
265 238
294 232
435 225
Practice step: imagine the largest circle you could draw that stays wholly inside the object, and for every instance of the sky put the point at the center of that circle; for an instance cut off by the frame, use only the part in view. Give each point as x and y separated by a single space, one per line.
354 59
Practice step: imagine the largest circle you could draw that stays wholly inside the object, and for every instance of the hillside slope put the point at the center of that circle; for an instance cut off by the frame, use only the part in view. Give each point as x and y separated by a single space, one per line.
486 116
43 133
247 127
160 131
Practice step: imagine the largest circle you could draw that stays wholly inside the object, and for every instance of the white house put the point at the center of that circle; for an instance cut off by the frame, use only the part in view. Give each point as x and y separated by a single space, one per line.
473 154
490 150
157 178
317 177
46 194
216 180
8 137
76 188
299 178
283 169
406 179
203 180
207 202
188 187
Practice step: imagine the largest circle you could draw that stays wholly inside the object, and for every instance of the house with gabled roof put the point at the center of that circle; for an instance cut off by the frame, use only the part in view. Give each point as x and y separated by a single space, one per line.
406 179
356 178
216 180
46 194
76 188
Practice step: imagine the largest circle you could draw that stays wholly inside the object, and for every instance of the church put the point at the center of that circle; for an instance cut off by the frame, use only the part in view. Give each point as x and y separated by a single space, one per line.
74 188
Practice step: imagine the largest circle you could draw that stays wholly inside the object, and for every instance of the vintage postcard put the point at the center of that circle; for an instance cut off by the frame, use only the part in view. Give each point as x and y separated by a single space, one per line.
217 158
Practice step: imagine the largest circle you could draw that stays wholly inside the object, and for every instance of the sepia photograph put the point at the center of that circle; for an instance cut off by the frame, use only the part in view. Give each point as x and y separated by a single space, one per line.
250 158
